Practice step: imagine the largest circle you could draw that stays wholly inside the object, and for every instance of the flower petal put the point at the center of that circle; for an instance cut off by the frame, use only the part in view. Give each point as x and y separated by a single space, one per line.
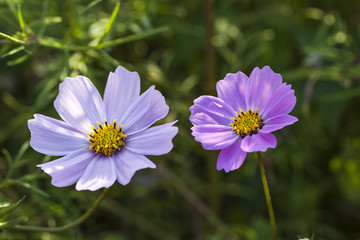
100 173
261 85
122 88
144 111
232 90
276 123
211 110
258 142
231 158
67 170
53 137
214 137
127 163
152 141
79 103
281 102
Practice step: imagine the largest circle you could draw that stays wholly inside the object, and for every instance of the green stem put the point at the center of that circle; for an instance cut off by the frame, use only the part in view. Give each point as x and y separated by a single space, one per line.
67 226
267 196
14 40
54 44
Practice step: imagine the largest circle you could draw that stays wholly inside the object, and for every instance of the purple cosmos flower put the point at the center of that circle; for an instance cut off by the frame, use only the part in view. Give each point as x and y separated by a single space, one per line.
102 140
242 117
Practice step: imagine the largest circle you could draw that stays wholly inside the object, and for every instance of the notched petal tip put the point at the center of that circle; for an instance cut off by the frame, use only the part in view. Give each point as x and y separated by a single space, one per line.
231 158
54 137
127 163
155 140
258 142
148 108
100 173
125 84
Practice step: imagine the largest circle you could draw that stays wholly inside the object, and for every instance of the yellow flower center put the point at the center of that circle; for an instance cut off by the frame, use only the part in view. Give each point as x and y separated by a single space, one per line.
107 138
246 123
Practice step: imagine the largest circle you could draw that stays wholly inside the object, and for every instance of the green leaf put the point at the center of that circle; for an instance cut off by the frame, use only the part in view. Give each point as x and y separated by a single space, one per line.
110 23
133 37
93 3
109 58
12 208
22 150
15 40
32 188
14 163
73 26
13 51
18 60
51 43
47 21
11 5
21 22
4 204
13 222
67 62
7 156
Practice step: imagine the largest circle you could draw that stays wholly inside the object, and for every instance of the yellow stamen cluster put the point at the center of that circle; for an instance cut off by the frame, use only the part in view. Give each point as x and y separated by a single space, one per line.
107 138
246 123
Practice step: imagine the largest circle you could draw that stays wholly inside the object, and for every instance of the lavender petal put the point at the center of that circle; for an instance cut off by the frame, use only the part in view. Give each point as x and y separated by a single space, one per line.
211 110
127 163
122 88
67 170
232 90
258 142
276 123
231 158
79 103
100 173
281 102
214 137
55 138
144 111
152 141
260 87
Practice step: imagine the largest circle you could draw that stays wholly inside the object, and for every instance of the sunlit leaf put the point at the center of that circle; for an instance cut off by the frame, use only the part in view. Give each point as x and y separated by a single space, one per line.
8 211
13 222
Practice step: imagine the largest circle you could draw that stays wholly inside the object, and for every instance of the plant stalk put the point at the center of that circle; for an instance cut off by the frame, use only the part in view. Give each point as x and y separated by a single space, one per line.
267 196
67 226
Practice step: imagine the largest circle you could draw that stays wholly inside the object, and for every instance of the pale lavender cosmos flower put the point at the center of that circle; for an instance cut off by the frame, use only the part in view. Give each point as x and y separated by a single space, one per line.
102 140
242 117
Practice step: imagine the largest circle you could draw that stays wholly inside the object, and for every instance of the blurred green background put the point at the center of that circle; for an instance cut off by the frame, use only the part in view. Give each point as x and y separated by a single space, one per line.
184 47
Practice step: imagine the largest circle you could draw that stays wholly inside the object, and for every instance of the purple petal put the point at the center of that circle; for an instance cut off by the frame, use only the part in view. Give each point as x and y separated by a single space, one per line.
261 85
232 90
231 158
152 141
258 142
67 170
122 88
214 137
127 163
144 111
281 102
100 173
79 103
211 110
276 123
55 138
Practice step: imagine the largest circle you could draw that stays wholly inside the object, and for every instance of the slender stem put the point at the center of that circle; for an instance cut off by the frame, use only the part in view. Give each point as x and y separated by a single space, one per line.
14 40
267 196
67 226
58 45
